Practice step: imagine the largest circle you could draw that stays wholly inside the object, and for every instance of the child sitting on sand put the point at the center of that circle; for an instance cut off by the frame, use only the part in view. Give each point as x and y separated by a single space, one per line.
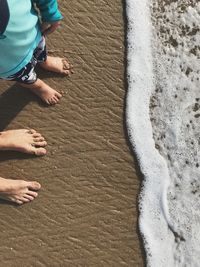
22 46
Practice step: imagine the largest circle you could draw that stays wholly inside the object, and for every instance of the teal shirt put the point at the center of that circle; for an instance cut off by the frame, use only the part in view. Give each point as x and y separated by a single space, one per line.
22 33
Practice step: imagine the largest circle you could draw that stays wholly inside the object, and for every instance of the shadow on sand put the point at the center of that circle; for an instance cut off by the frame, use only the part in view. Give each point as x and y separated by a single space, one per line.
12 101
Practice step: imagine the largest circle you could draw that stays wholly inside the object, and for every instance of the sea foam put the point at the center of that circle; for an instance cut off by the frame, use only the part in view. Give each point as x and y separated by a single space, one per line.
163 104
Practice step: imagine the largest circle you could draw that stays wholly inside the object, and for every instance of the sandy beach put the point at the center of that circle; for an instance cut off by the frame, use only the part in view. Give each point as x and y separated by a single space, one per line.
86 213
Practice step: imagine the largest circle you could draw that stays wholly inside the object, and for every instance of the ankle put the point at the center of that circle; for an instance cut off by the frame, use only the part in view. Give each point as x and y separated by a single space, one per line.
36 85
5 186
3 144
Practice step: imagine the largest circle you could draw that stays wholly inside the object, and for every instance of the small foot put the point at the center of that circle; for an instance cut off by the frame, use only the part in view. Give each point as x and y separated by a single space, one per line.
58 65
44 91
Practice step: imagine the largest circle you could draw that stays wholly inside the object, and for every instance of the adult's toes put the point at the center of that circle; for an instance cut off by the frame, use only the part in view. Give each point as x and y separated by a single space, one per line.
48 101
20 202
58 95
53 101
37 135
57 98
29 197
33 186
33 194
38 139
40 144
31 131
39 151
24 200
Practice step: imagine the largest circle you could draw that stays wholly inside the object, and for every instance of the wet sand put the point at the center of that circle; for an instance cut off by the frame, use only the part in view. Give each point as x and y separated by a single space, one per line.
86 212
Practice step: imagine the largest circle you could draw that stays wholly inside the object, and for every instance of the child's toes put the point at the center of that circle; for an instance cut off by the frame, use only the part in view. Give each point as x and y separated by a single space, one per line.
66 72
66 65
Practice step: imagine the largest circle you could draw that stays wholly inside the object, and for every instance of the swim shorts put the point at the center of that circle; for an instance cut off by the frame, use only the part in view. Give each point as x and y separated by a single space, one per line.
27 74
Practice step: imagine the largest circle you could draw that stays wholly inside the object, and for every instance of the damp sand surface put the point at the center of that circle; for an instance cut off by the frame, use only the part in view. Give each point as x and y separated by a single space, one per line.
85 214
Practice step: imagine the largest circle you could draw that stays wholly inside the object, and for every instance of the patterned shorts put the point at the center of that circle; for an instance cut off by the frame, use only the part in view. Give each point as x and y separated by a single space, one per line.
27 74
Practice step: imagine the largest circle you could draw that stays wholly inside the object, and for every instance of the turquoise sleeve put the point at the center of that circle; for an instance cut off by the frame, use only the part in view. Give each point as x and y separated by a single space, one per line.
48 10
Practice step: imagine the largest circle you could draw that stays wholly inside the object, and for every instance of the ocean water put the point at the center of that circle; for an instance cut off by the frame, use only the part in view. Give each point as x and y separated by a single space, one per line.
163 119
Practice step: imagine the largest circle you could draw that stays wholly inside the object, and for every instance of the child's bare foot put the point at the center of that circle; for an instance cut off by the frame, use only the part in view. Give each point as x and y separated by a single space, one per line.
57 64
44 91
23 140
18 191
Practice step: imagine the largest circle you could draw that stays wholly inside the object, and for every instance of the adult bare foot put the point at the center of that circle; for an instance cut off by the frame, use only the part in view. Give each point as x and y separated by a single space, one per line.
44 91
23 140
18 191
57 64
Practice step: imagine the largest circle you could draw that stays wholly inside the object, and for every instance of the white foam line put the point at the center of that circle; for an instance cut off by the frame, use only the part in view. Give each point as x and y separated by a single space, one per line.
154 219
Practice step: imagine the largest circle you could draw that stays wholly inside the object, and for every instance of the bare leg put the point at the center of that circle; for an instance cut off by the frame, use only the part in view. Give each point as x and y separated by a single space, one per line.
57 64
44 91
18 191
23 140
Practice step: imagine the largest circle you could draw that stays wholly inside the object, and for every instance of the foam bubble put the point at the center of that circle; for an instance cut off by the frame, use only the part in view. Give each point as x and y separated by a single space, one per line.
177 106
163 112
153 208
